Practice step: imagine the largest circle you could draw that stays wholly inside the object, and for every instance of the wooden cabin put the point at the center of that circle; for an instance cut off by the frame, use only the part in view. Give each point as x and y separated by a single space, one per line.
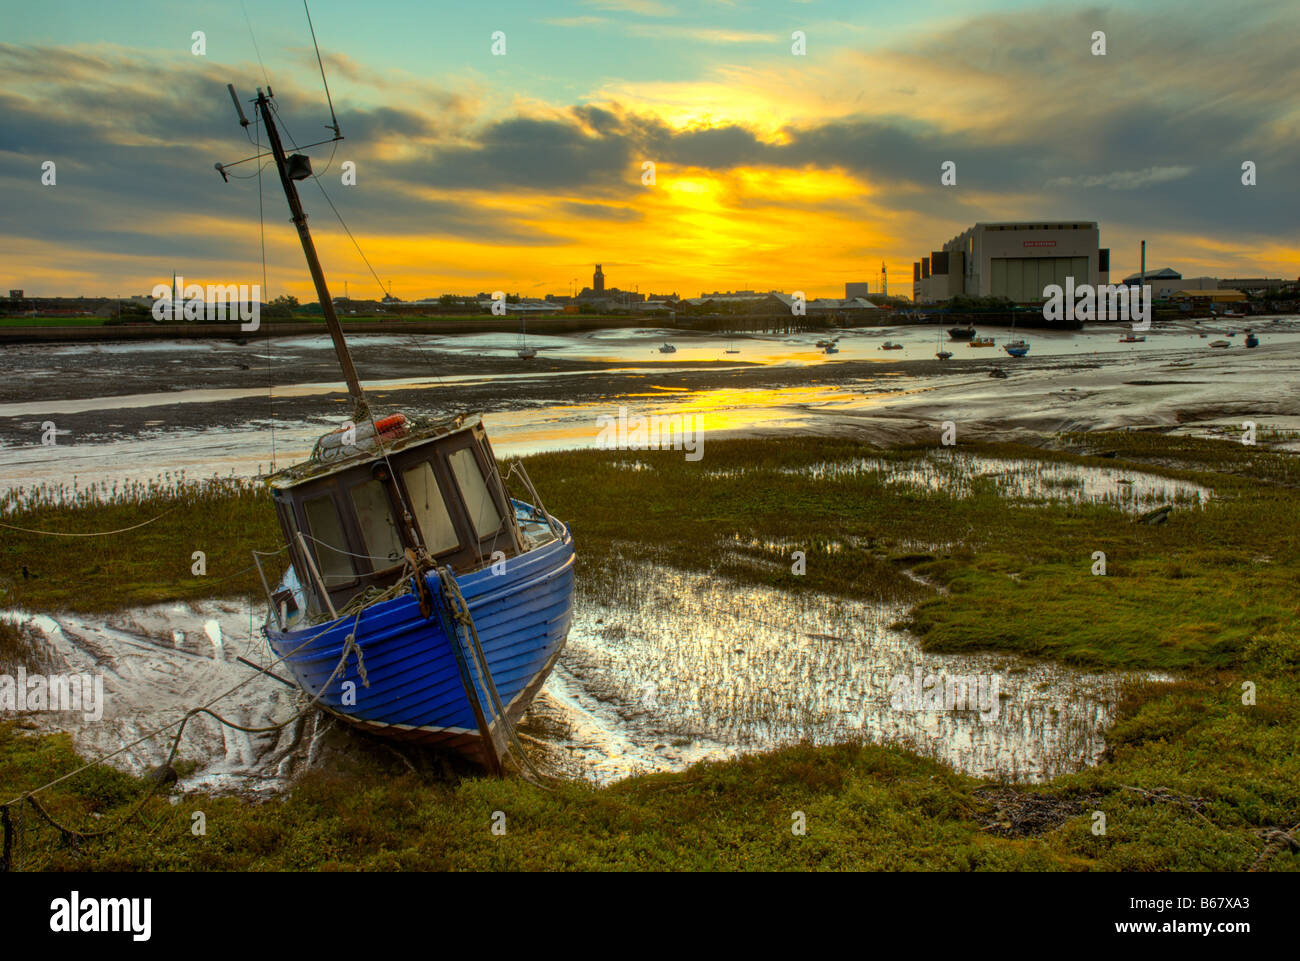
435 486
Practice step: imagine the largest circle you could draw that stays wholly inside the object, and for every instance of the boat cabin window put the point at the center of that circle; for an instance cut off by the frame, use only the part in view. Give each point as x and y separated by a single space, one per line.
479 504
430 509
328 542
378 532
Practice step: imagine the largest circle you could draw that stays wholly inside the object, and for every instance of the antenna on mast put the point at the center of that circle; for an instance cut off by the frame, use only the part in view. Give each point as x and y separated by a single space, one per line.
243 121
294 168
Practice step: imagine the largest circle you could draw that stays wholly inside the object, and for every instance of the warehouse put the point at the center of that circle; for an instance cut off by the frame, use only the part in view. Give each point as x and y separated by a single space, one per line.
1012 260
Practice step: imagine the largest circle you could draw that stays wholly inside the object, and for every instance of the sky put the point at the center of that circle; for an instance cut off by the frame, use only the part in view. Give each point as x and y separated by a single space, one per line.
518 171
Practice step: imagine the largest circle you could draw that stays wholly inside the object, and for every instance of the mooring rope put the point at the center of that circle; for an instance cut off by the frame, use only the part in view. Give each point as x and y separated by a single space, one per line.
120 530
30 796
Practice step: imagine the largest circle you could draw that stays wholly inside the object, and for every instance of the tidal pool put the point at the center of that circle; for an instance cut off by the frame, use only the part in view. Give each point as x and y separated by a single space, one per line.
956 474
679 667
686 666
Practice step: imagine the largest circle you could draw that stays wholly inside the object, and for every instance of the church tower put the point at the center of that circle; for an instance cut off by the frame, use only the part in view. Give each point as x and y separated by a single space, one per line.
598 281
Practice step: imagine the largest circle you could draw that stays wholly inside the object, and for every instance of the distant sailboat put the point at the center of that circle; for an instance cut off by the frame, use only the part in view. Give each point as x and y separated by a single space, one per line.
940 352
1016 348
525 352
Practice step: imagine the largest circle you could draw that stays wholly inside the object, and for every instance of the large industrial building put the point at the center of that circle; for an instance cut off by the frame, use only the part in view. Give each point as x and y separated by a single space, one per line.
1012 260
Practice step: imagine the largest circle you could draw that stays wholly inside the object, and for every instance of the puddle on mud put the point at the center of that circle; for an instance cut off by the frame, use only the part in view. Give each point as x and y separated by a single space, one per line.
160 661
681 667
688 666
956 474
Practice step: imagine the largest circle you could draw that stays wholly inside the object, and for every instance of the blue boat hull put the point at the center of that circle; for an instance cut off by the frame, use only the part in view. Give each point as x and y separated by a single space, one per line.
413 687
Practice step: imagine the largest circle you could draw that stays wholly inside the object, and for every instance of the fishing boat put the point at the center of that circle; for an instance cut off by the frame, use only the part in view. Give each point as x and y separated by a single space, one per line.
962 333
981 342
524 352
890 345
1132 339
667 349
1018 347
422 601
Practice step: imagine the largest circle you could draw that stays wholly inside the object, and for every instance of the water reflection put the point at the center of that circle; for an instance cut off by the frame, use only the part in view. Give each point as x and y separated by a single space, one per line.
684 666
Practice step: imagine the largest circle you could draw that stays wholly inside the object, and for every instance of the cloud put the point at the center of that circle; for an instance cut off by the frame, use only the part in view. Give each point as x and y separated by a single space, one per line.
710 35
1123 179
644 8
768 164
575 21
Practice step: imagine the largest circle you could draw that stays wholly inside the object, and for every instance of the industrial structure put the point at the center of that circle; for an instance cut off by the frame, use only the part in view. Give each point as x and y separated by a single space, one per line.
1012 260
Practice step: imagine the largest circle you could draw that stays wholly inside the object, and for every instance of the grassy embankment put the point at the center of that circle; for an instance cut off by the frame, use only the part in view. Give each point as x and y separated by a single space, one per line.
1194 779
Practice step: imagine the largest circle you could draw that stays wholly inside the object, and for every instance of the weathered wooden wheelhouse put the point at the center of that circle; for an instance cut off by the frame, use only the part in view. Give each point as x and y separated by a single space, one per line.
433 489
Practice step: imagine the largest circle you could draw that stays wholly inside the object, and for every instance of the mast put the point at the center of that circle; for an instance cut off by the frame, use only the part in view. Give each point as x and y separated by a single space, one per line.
301 169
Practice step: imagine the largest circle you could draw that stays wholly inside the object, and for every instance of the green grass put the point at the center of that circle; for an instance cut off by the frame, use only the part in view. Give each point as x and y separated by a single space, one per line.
1194 779
47 321
225 519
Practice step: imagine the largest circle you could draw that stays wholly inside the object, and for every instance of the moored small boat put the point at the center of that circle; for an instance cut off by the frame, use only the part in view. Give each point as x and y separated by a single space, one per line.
1220 343
962 333
524 352
890 345
981 342
1132 339
421 600
1251 340
667 349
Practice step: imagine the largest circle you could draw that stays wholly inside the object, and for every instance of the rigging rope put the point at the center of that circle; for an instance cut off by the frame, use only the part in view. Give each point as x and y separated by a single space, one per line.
321 64
261 231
